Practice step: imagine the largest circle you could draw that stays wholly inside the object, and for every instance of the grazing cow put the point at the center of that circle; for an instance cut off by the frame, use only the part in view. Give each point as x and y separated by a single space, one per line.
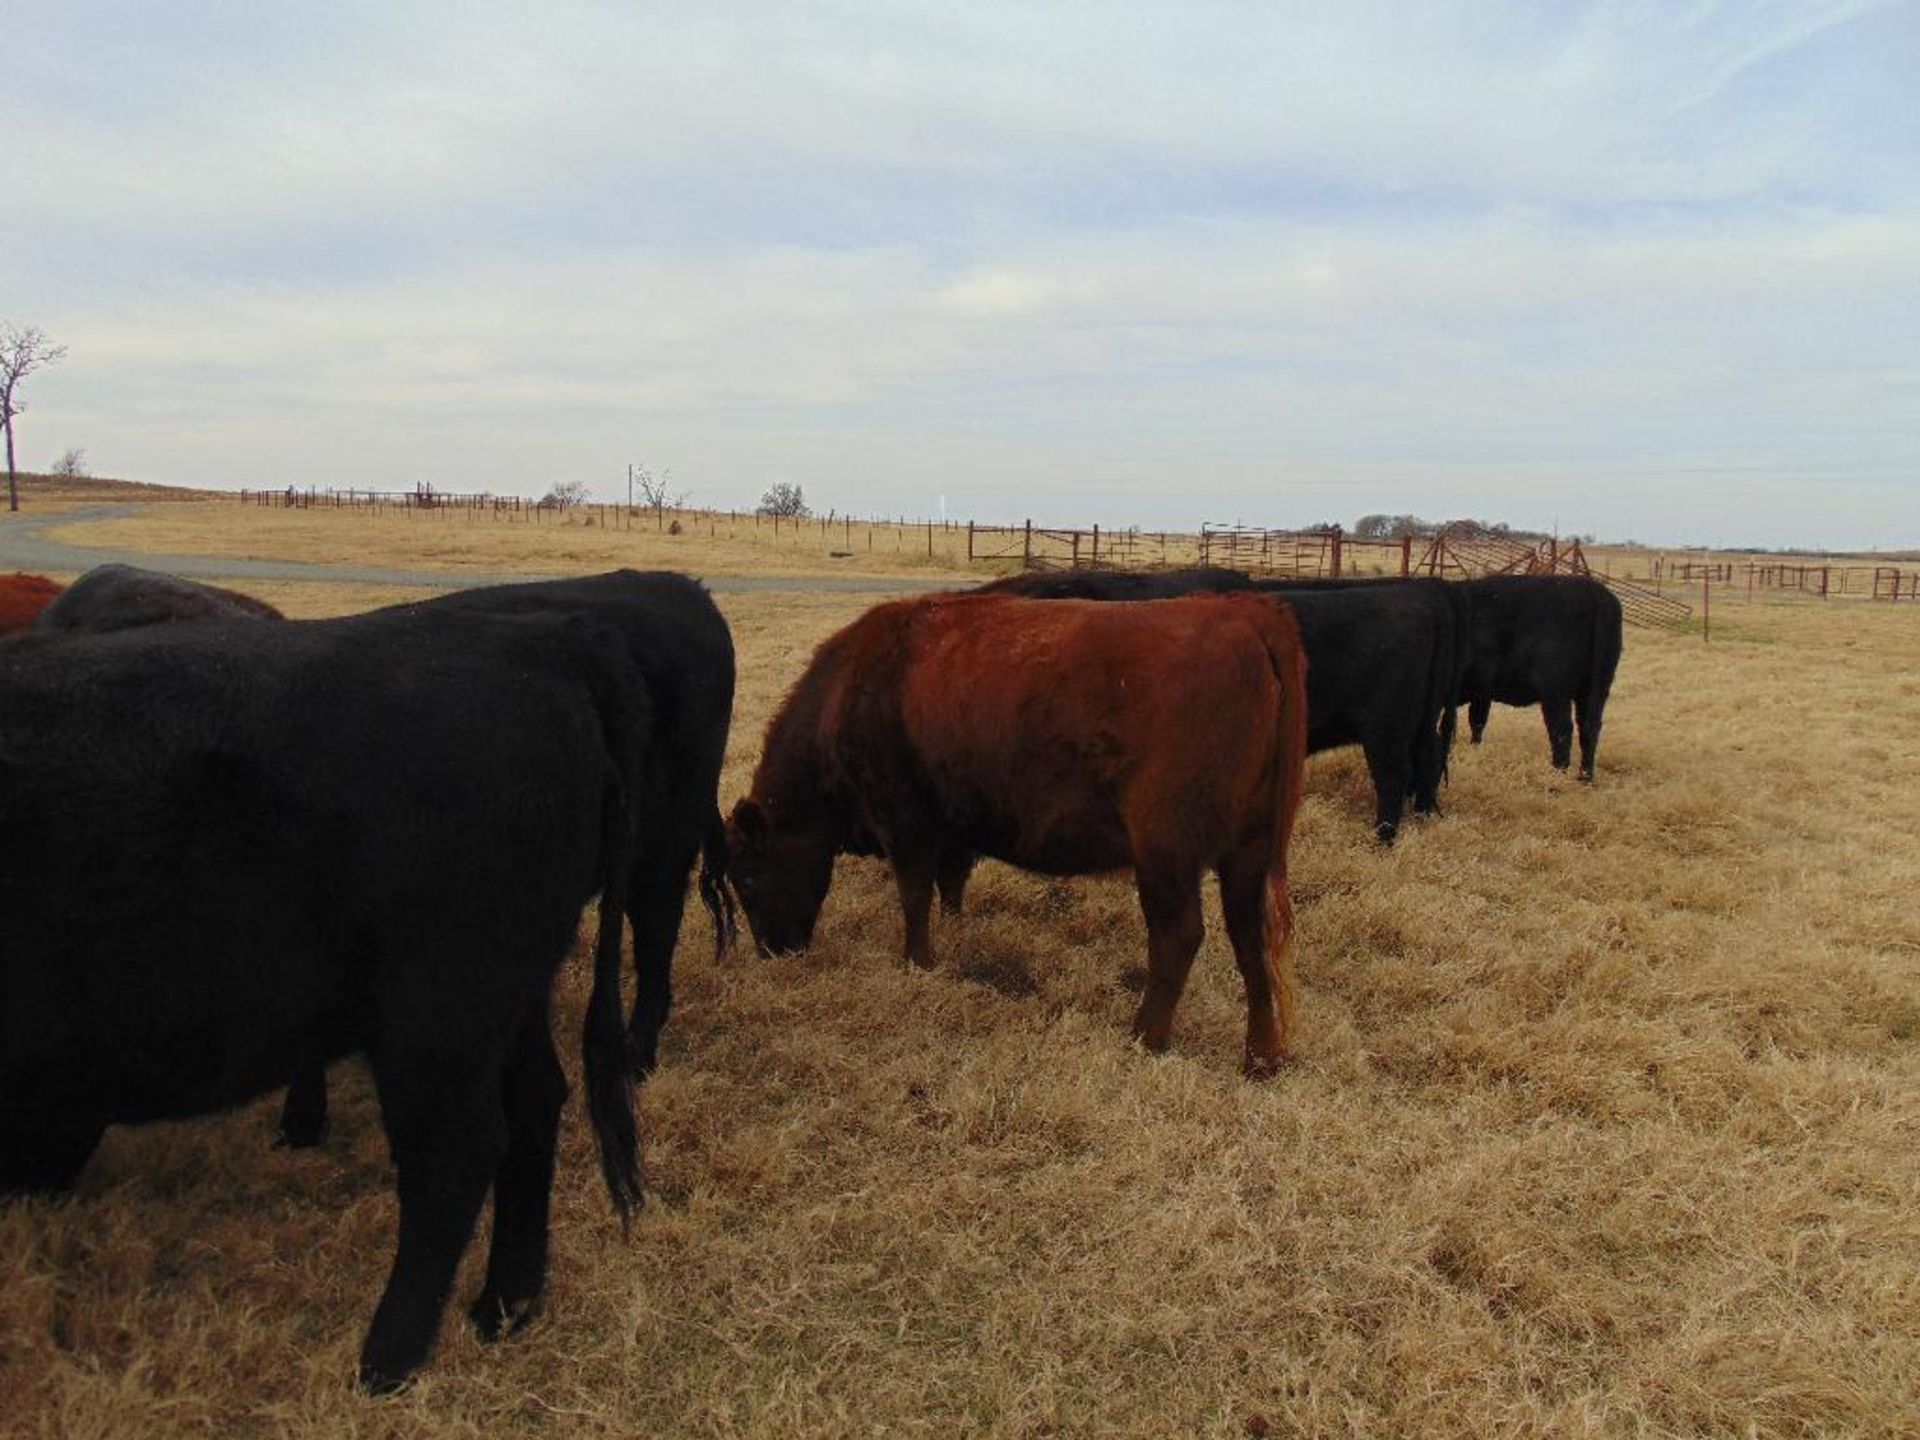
1385 659
674 635
22 598
125 597
1062 737
1547 640
233 847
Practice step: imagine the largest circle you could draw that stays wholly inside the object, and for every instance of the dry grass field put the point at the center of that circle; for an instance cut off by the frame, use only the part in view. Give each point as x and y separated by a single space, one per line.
536 543
1606 1122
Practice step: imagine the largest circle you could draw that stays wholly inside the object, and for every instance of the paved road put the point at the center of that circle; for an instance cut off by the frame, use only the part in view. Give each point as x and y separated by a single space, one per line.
25 545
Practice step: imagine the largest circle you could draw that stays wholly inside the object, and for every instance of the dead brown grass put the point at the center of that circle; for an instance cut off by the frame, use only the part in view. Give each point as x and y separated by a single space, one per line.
536 543
1605 1123
37 491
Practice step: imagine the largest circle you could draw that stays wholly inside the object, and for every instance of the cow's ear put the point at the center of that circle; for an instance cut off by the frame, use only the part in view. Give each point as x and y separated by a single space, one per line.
750 823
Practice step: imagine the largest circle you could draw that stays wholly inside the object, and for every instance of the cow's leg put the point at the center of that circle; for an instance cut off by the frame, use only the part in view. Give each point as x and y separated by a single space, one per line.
956 867
1388 762
44 1156
913 871
1428 761
534 1088
656 905
1559 717
1587 715
303 1118
1170 899
448 1133
1260 926
1478 709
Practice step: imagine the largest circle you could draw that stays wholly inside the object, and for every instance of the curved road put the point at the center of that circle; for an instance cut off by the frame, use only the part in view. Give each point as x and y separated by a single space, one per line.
25 545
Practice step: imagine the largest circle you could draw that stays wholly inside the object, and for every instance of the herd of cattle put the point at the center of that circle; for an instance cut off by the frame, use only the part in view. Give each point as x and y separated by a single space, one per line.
241 847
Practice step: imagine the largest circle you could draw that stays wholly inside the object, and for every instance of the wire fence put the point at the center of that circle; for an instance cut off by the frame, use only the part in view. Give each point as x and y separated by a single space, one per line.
1656 588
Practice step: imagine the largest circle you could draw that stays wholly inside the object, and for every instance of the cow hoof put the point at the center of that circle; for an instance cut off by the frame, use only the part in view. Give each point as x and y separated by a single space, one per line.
1386 832
1586 777
377 1381
301 1138
642 1059
1264 1067
1474 739
495 1318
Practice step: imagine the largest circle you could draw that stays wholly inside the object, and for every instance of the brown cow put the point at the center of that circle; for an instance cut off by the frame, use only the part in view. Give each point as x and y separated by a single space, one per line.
22 598
1067 737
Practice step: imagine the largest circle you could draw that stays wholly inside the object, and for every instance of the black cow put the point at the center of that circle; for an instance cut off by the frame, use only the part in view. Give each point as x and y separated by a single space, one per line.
1382 661
232 847
677 638
126 597
680 643
1547 640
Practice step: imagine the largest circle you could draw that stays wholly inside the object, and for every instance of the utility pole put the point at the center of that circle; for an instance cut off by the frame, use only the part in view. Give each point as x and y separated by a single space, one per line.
629 489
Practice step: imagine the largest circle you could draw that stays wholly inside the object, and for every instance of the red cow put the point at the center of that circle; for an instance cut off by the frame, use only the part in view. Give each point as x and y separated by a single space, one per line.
1067 737
22 598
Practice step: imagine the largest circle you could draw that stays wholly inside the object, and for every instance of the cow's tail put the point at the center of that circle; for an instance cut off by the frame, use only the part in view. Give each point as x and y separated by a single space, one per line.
1449 726
716 892
603 1042
1289 661
1447 677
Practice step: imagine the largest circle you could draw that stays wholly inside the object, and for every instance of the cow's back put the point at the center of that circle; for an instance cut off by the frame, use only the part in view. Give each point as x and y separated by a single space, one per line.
1027 726
223 835
1542 637
127 597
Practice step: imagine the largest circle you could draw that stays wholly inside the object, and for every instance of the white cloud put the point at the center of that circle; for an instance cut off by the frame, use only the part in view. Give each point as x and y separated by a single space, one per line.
1430 260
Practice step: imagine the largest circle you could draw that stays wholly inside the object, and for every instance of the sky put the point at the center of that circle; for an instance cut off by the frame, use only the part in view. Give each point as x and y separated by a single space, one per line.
1642 270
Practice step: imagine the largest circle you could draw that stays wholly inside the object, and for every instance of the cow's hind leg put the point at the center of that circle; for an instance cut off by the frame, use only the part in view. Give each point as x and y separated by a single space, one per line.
1559 717
533 1089
1170 899
1429 760
1389 762
44 1157
303 1118
1260 925
656 905
448 1135
1587 716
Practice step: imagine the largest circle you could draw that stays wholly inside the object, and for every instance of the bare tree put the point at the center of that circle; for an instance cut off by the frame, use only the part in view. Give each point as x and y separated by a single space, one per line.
22 351
784 499
72 465
656 493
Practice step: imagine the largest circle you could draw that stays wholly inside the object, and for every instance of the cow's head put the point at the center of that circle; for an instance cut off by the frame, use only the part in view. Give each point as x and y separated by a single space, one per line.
781 871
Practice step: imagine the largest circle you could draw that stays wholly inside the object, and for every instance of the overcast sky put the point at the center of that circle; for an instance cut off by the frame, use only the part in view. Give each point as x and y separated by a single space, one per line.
1650 270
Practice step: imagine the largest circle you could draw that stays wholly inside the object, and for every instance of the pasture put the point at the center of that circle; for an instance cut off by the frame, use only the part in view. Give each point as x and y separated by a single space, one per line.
1606 1116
